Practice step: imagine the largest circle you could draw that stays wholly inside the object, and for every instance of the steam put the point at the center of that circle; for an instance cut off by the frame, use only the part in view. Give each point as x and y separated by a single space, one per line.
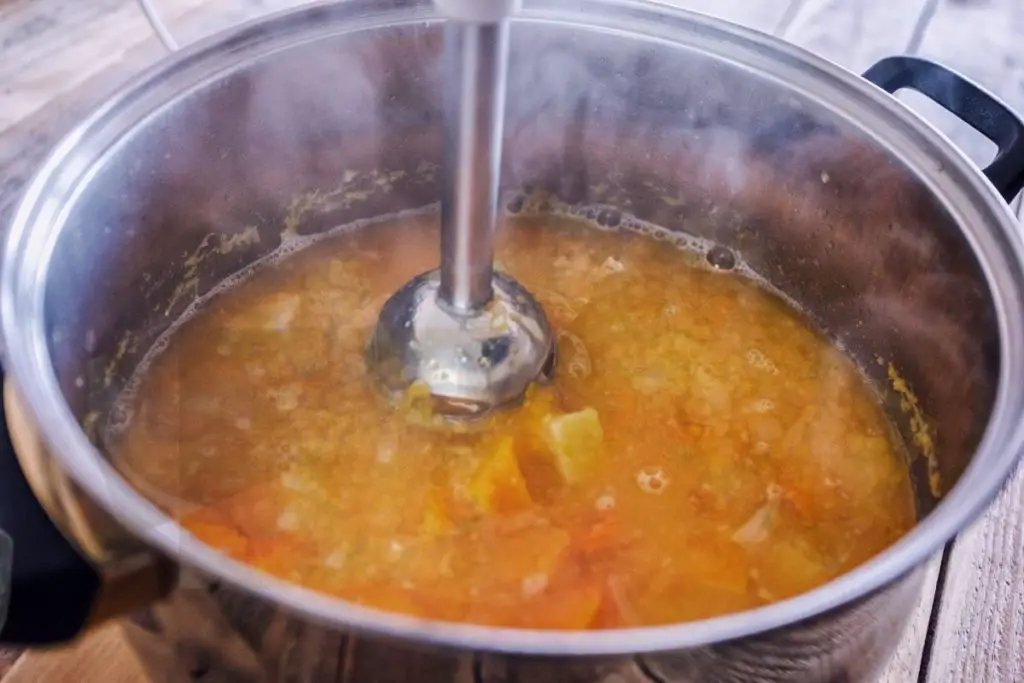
673 137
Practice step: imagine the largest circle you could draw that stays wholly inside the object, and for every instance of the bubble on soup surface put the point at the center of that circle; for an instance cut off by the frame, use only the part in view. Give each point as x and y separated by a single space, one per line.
652 480
720 258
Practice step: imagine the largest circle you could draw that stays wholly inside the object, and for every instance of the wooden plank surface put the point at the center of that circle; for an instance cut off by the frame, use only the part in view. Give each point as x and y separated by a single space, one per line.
103 657
7 660
52 97
908 661
770 16
979 634
856 34
56 57
93 37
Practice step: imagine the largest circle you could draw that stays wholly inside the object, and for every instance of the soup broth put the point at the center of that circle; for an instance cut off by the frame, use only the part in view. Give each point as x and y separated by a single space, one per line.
700 451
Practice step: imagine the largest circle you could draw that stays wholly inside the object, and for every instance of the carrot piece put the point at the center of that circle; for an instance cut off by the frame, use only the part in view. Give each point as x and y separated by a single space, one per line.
498 485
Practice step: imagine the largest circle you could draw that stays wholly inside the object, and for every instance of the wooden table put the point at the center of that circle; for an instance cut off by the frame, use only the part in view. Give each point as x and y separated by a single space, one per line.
58 57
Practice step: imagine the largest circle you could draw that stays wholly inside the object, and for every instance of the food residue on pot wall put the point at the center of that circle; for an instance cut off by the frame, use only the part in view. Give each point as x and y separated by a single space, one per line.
225 244
922 433
355 187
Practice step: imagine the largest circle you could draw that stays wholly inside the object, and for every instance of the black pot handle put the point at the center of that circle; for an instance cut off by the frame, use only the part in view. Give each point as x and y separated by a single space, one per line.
47 589
971 104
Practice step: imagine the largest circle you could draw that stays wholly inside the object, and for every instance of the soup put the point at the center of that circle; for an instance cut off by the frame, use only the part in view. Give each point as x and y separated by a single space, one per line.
701 450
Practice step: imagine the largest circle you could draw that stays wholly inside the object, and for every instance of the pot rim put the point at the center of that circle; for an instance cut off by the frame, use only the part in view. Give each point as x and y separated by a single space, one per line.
985 219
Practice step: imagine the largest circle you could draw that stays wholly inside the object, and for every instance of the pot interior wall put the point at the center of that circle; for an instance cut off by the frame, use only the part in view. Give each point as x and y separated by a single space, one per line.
346 128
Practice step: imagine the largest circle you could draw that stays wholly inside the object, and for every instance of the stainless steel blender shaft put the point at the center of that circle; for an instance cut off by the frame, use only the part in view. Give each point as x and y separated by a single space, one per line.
476 55
475 339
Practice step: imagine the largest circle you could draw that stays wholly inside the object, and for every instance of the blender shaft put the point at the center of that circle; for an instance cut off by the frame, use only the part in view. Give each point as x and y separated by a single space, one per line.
476 55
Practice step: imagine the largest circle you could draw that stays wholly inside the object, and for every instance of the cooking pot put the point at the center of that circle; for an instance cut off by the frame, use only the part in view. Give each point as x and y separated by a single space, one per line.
828 186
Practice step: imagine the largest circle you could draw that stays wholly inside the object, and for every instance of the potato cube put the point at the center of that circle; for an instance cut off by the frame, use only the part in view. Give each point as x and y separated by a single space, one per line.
576 442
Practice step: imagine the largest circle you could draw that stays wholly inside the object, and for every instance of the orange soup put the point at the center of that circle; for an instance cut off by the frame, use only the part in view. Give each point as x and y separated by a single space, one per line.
701 450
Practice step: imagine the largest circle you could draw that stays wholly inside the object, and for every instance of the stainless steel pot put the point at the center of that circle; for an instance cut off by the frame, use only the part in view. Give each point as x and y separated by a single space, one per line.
841 196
